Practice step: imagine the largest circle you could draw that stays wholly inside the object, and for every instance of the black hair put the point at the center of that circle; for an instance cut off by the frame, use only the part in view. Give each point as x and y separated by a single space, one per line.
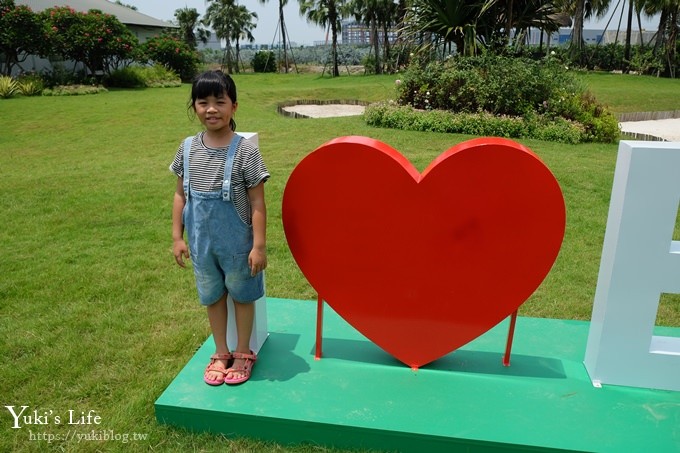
213 83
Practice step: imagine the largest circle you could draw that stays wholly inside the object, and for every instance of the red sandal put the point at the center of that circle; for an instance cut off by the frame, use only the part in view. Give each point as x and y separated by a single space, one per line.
211 367
246 368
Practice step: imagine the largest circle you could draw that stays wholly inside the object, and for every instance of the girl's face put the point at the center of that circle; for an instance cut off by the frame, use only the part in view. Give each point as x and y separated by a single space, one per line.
215 113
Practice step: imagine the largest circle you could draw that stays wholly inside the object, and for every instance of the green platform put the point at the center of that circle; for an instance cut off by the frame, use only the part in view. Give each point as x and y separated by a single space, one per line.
358 396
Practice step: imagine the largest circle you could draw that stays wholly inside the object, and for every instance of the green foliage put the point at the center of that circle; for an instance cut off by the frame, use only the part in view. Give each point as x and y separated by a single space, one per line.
645 62
73 90
494 88
99 41
58 75
21 34
143 77
8 87
264 61
171 53
481 124
30 85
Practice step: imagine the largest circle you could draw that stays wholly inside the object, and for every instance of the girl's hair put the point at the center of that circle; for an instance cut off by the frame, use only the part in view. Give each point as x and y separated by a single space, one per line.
213 83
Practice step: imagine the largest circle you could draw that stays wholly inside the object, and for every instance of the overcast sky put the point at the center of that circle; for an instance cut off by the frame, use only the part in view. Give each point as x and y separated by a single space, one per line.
267 30
299 31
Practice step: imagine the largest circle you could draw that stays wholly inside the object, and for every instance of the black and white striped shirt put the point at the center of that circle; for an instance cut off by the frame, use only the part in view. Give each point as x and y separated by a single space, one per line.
206 170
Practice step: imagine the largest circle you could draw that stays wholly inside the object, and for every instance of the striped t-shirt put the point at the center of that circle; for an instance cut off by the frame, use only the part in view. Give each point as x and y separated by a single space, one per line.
206 170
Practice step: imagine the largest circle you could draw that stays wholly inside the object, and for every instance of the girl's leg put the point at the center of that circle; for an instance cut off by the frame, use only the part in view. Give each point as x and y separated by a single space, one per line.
245 315
217 316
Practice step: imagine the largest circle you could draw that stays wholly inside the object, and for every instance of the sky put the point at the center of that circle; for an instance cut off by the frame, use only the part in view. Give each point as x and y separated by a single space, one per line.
267 30
299 31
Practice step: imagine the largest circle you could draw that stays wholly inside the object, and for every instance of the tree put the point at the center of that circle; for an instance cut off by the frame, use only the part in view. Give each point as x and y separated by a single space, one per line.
326 13
441 23
366 12
187 19
220 16
22 33
282 27
99 41
665 45
243 27
581 10
171 52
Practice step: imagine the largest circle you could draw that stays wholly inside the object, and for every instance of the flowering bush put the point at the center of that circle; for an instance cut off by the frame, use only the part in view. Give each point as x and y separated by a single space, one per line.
100 41
21 33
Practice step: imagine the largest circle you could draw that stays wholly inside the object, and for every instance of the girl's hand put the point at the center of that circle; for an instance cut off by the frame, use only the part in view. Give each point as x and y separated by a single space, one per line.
180 251
257 260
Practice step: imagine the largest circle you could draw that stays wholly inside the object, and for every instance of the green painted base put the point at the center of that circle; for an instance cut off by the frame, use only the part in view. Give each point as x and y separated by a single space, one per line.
358 396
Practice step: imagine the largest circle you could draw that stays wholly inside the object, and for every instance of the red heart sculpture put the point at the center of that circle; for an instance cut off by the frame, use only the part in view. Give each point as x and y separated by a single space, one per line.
422 264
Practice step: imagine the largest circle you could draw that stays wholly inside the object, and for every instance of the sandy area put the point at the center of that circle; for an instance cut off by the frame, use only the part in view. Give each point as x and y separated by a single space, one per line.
327 110
668 129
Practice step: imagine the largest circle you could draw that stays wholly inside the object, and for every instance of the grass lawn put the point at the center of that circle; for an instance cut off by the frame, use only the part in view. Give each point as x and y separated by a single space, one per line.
95 315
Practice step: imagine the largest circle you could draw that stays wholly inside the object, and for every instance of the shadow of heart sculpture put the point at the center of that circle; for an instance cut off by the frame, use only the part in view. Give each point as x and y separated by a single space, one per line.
422 264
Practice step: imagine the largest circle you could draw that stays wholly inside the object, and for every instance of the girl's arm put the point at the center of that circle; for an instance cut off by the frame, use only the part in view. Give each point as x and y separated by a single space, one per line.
257 260
179 246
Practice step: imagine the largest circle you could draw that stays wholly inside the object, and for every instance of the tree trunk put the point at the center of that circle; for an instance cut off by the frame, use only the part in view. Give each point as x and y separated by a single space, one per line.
629 25
508 22
334 44
376 45
283 36
386 47
576 46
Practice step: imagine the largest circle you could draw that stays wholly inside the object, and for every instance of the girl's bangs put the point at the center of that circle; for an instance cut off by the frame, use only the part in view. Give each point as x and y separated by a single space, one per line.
212 86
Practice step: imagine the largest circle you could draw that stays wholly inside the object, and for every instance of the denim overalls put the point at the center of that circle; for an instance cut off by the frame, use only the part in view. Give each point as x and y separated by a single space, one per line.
219 241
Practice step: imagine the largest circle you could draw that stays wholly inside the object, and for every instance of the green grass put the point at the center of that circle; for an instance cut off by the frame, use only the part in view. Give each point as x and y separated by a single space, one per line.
95 315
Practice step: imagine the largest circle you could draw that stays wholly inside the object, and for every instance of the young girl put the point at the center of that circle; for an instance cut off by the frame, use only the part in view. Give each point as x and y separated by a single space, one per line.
219 201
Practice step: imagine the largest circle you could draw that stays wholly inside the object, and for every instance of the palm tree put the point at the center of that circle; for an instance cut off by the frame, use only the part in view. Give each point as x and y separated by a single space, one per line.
326 13
243 27
366 12
667 34
388 17
436 23
219 15
581 10
187 19
282 26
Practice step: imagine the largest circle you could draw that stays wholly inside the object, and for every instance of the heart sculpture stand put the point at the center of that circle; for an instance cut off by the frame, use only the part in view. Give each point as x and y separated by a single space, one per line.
423 263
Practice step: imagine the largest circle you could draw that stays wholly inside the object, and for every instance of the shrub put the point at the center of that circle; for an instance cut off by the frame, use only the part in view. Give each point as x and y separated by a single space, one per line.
391 115
30 85
143 76
59 76
73 90
172 53
503 96
8 87
264 61
128 77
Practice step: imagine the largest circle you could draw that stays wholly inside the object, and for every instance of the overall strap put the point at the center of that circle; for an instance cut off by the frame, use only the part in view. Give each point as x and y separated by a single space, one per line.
186 150
228 167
